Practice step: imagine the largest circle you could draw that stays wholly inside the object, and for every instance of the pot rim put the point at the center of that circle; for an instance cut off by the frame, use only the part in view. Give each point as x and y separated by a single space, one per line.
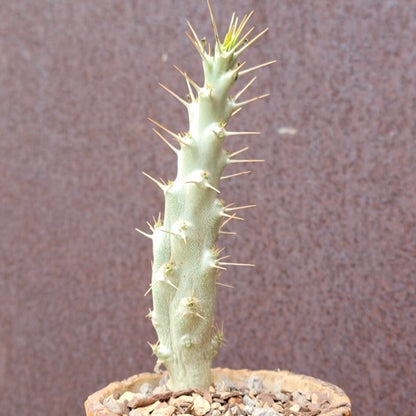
340 404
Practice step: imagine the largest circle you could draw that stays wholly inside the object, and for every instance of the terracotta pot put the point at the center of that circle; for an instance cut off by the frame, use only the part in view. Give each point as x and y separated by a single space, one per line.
274 381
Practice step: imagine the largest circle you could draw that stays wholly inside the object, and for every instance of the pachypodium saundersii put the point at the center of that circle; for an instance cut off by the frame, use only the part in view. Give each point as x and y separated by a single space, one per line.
186 262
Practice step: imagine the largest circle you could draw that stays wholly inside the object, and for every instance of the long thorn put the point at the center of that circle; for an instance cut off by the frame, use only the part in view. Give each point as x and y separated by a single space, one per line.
159 184
236 133
215 266
196 45
237 96
237 152
186 76
236 174
148 315
237 208
145 234
227 220
251 100
150 226
237 69
214 26
246 71
234 217
225 285
243 23
163 128
245 160
208 185
237 264
199 315
168 282
235 25
174 95
236 111
175 136
172 147
243 38
170 232
243 48
227 232
201 48
148 291
231 22
191 93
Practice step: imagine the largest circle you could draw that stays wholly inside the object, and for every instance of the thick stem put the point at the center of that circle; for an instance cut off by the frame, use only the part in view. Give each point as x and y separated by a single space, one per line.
185 272
186 263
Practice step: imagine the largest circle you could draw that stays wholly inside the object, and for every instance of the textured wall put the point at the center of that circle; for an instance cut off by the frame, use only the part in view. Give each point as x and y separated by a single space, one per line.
333 234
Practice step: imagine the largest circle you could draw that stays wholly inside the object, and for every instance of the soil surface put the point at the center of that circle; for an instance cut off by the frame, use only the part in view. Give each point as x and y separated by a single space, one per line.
220 399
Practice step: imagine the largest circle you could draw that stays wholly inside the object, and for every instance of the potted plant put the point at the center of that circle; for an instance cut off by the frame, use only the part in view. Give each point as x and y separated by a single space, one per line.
187 263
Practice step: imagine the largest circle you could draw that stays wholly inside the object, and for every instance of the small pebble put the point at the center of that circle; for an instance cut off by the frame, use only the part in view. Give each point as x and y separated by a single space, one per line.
181 399
313 407
254 383
164 411
153 406
234 410
137 412
201 406
300 399
278 407
113 405
294 408
133 402
248 410
248 401
261 411
146 390
265 398
225 385
127 396
281 397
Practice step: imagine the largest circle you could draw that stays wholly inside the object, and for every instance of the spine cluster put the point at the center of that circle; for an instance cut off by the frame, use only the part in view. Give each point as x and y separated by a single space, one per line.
187 263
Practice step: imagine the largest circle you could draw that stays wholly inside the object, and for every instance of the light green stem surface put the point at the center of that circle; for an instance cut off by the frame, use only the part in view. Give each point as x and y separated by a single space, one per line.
186 262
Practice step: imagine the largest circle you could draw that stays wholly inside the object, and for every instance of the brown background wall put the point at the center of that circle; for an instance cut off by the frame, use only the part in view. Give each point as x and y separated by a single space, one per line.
333 234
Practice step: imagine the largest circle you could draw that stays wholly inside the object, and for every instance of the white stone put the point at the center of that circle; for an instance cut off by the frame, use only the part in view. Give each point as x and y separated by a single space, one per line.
128 395
112 405
201 406
254 383
164 411
146 389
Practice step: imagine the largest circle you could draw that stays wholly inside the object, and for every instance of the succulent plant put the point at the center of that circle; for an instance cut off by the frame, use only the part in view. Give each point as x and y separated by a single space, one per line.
186 262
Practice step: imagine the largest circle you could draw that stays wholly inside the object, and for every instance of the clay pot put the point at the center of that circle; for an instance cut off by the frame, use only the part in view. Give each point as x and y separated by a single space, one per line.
274 381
